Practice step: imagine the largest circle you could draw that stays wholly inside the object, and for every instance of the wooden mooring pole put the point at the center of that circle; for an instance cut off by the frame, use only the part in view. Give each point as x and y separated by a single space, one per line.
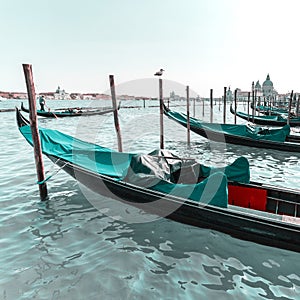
224 109
116 119
188 116
253 102
235 104
290 107
161 113
248 106
295 102
35 132
194 107
297 107
211 106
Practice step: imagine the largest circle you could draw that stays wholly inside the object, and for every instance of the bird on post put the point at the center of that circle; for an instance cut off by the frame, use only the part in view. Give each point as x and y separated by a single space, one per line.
159 73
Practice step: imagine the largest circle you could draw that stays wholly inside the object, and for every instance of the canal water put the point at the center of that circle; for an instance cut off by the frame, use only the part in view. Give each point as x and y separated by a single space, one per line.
66 248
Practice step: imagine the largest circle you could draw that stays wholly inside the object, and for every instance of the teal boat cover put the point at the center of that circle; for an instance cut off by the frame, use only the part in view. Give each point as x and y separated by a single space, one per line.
276 118
160 170
253 132
272 109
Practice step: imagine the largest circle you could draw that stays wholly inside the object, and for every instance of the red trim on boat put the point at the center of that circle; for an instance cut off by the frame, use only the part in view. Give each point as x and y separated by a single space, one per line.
247 197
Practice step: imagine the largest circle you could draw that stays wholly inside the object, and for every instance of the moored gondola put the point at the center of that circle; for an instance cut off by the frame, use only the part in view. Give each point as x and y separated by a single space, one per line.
273 120
270 110
70 112
250 211
245 135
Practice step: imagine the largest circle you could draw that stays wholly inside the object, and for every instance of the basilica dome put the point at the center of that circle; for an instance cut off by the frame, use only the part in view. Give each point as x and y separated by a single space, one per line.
268 82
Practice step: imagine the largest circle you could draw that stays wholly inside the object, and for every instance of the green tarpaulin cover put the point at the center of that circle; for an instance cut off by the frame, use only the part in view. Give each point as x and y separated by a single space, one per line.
272 109
160 170
255 133
279 118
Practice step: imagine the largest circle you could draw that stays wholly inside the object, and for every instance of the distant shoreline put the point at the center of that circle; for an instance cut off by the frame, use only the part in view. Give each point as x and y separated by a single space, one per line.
71 96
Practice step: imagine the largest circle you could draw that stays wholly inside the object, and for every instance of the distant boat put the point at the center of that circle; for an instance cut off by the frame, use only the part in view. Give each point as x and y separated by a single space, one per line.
70 112
270 110
274 120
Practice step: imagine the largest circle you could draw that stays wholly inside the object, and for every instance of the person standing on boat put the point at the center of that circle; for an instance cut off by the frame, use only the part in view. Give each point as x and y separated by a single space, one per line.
42 102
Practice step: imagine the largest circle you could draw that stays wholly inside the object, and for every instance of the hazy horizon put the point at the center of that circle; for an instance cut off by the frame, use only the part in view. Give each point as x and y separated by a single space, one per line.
206 44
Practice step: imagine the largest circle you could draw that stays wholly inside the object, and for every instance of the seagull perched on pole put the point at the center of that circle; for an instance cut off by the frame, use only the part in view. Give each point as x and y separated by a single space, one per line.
159 73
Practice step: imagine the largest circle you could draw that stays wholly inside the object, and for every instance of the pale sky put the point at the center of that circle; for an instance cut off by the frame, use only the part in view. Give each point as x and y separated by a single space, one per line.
206 44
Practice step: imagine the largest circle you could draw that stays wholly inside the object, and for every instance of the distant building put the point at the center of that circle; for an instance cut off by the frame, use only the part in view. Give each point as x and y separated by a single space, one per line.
258 89
125 97
75 96
95 96
242 95
174 97
17 95
267 90
61 94
47 95
229 96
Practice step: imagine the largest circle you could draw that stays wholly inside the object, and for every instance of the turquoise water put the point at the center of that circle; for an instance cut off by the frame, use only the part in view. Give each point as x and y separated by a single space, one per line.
68 248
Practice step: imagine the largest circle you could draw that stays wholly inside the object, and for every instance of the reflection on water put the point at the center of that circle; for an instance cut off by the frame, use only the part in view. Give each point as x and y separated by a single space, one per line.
66 249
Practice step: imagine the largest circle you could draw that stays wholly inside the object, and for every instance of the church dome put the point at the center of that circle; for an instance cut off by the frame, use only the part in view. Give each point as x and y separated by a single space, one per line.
268 82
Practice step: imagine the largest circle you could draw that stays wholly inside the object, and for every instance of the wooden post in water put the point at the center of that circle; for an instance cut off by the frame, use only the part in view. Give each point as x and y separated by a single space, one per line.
211 106
194 107
161 113
297 108
235 105
114 103
253 102
290 106
248 107
188 116
202 107
224 109
35 132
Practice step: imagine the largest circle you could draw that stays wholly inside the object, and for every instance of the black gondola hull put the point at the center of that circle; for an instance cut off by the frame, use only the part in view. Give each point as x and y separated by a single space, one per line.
240 225
265 122
59 114
293 145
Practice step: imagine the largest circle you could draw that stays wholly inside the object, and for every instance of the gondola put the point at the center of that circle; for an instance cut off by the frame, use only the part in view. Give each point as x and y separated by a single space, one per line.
70 112
181 190
245 135
273 120
270 110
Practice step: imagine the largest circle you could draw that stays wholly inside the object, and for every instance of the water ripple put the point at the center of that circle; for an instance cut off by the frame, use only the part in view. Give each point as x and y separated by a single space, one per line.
66 249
